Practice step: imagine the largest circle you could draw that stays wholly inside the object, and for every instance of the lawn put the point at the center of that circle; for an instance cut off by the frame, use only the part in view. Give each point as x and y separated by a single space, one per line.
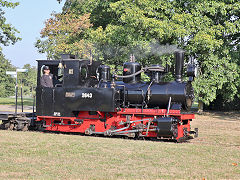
215 154
11 101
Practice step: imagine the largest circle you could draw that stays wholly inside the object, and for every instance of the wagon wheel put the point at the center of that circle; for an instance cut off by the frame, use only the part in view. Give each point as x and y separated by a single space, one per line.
5 125
11 127
25 128
1 126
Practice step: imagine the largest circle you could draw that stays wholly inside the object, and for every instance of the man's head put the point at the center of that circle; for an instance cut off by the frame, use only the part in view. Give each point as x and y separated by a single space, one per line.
46 70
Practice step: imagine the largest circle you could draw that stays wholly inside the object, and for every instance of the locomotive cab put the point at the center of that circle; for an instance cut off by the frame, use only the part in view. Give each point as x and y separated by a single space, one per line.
74 88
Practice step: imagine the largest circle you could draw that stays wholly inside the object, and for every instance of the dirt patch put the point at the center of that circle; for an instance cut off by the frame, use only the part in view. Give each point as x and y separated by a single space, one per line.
11 108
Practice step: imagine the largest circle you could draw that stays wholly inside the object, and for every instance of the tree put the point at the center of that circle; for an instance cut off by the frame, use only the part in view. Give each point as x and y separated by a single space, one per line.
206 30
28 80
6 81
7 31
7 36
64 33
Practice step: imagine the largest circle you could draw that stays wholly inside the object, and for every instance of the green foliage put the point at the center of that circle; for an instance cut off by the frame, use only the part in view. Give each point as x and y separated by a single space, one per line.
63 33
28 80
7 31
6 81
8 4
7 36
206 30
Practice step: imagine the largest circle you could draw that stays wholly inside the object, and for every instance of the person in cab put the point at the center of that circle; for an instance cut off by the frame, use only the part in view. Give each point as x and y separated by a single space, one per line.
47 78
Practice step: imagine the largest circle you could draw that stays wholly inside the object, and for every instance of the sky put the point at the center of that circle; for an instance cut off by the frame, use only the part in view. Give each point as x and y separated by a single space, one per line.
28 18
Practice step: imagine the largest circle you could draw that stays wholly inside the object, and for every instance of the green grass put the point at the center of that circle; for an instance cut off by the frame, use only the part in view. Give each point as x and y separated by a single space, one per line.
195 104
11 101
35 155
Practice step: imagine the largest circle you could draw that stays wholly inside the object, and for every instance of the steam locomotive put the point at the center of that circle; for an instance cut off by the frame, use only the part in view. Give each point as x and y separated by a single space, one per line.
87 98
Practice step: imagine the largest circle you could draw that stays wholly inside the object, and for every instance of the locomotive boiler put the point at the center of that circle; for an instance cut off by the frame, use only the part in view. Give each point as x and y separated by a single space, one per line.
155 93
87 98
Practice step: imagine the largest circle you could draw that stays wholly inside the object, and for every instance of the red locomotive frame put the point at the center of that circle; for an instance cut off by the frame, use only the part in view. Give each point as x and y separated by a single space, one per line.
127 122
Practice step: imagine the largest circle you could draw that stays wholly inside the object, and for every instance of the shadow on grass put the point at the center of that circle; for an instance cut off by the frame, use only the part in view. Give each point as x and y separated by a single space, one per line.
226 116
115 137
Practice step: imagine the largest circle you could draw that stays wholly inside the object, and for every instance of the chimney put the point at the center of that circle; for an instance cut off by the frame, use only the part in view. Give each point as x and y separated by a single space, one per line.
68 56
179 65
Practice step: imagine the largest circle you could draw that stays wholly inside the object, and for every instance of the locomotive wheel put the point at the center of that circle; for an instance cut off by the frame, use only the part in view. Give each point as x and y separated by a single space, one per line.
131 135
140 138
181 140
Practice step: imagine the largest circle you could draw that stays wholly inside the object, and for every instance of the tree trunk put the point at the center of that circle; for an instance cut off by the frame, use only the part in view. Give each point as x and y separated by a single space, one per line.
200 106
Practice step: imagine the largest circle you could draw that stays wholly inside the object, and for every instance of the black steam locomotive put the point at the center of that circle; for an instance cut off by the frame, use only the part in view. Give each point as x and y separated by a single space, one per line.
87 98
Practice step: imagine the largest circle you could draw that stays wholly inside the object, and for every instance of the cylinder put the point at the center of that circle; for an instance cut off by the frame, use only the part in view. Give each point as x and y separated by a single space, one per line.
179 55
130 68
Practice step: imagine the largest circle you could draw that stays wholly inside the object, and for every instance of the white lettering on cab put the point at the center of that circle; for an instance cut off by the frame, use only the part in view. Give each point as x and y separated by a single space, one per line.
87 95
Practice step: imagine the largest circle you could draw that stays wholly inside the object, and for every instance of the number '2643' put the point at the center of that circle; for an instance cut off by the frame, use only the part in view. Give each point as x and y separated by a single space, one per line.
87 95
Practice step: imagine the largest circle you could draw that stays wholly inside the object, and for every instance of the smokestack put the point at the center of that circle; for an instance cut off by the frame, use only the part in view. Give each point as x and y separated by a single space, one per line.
179 65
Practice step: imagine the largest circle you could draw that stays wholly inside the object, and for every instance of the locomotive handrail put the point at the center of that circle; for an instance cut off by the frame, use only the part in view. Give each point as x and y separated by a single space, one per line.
152 68
58 85
131 75
169 104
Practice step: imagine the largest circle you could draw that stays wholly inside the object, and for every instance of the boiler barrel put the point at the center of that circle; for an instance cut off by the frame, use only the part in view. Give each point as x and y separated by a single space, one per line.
159 94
